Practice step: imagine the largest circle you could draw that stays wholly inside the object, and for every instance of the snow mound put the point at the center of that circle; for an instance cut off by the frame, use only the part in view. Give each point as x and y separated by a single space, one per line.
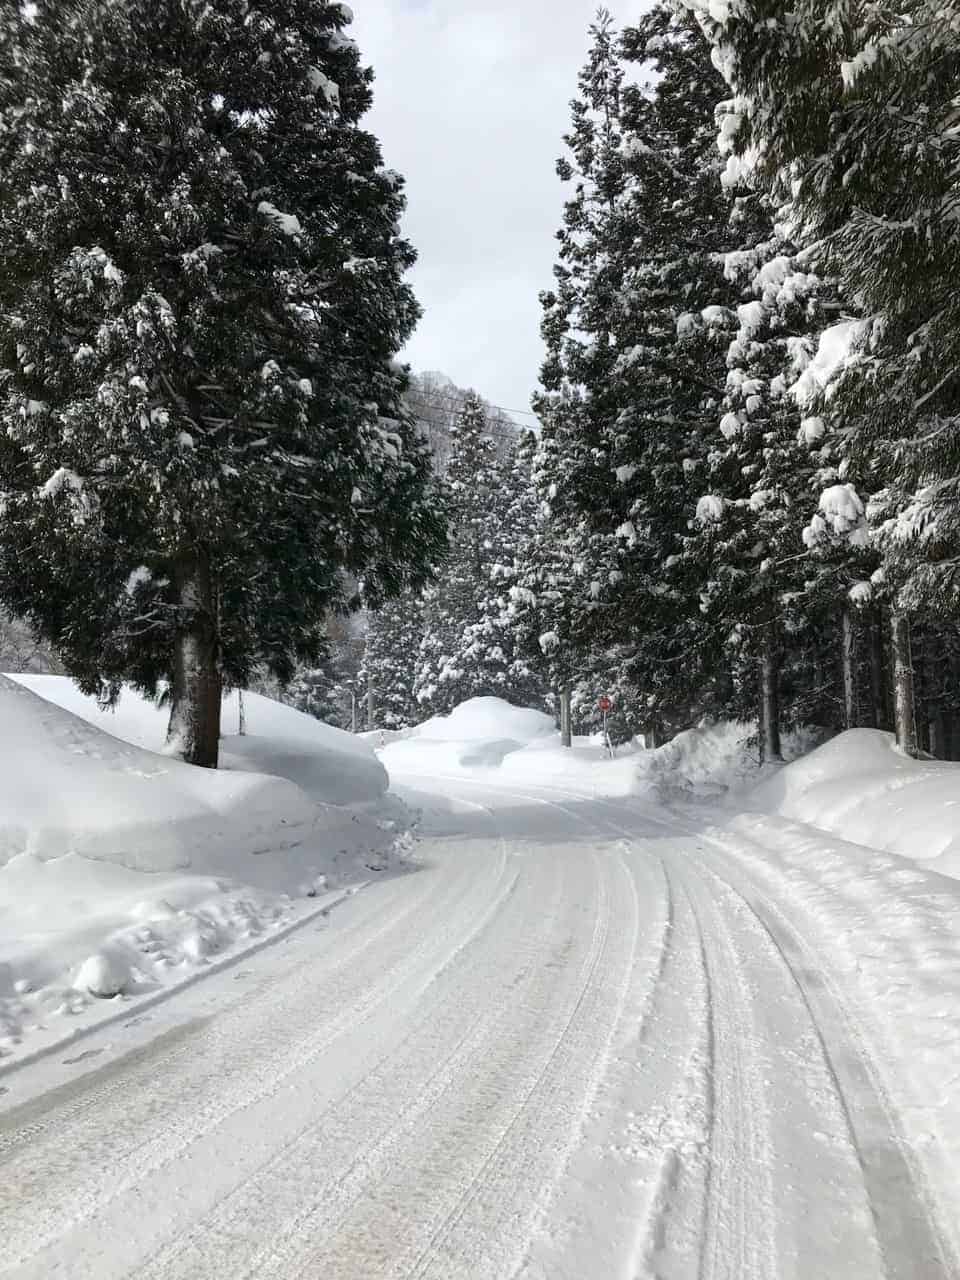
860 787
123 871
66 786
713 759
331 766
487 718
479 733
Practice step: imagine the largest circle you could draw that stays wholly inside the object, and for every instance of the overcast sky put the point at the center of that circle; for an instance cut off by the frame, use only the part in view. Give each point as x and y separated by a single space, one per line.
471 99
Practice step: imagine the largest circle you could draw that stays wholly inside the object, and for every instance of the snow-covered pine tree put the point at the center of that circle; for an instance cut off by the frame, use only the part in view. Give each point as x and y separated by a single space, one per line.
763 472
201 296
315 690
670 371
391 652
490 657
573 557
853 115
547 598
450 667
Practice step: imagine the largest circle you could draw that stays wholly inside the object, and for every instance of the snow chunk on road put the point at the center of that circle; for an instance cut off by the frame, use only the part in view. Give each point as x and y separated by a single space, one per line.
106 973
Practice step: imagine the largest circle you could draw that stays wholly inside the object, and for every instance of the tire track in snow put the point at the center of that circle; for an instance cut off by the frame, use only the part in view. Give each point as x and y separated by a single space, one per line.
496 1107
166 1121
912 1244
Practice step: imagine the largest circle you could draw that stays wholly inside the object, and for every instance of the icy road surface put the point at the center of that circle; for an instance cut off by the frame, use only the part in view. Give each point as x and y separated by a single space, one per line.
578 1041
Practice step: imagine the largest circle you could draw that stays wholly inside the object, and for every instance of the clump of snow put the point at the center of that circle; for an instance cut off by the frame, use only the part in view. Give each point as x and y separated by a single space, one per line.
62 478
321 83
835 352
841 514
709 509
106 973
288 223
861 788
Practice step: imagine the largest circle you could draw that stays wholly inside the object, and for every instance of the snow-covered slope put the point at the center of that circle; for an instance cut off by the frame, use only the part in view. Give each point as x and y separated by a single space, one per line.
69 787
860 787
330 765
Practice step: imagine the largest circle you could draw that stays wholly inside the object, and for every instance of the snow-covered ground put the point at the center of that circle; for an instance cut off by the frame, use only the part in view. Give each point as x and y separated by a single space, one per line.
124 871
592 1033
860 787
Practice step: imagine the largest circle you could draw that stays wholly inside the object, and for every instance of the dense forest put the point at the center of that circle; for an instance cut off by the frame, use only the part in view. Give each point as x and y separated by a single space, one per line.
740 498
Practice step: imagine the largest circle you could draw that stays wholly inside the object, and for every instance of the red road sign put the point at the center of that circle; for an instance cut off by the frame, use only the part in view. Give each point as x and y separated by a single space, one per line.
605 704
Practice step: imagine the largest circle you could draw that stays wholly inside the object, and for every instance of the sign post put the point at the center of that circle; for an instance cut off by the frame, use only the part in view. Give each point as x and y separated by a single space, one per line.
566 720
605 706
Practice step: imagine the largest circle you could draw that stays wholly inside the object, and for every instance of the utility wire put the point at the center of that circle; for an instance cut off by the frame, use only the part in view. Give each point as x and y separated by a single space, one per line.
454 403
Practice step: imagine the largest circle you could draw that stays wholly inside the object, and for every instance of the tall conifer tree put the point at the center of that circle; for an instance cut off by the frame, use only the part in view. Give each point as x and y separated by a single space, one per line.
201 295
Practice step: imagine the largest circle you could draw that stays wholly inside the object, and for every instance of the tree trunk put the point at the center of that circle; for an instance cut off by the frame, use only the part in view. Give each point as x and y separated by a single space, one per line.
566 720
371 705
196 689
949 736
878 705
770 698
938 736
903 684
848 644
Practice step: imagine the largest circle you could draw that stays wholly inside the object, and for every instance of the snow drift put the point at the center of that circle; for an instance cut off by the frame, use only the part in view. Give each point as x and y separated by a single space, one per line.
68 787
714 759
122 870
479 733
860 787
330 765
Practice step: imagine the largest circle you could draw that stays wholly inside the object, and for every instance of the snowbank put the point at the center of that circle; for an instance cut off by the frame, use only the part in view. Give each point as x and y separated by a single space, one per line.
705 762
860 787
68 787
330 765
479 733
714 759
490 718
123 871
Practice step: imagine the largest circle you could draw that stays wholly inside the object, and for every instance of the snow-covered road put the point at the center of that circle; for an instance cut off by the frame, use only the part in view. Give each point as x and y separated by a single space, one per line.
582 1039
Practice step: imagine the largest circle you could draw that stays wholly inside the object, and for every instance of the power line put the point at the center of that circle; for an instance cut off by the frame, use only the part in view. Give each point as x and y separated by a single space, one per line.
458 404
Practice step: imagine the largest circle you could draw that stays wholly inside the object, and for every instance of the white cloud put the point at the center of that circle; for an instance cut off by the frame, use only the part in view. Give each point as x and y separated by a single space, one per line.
470 105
